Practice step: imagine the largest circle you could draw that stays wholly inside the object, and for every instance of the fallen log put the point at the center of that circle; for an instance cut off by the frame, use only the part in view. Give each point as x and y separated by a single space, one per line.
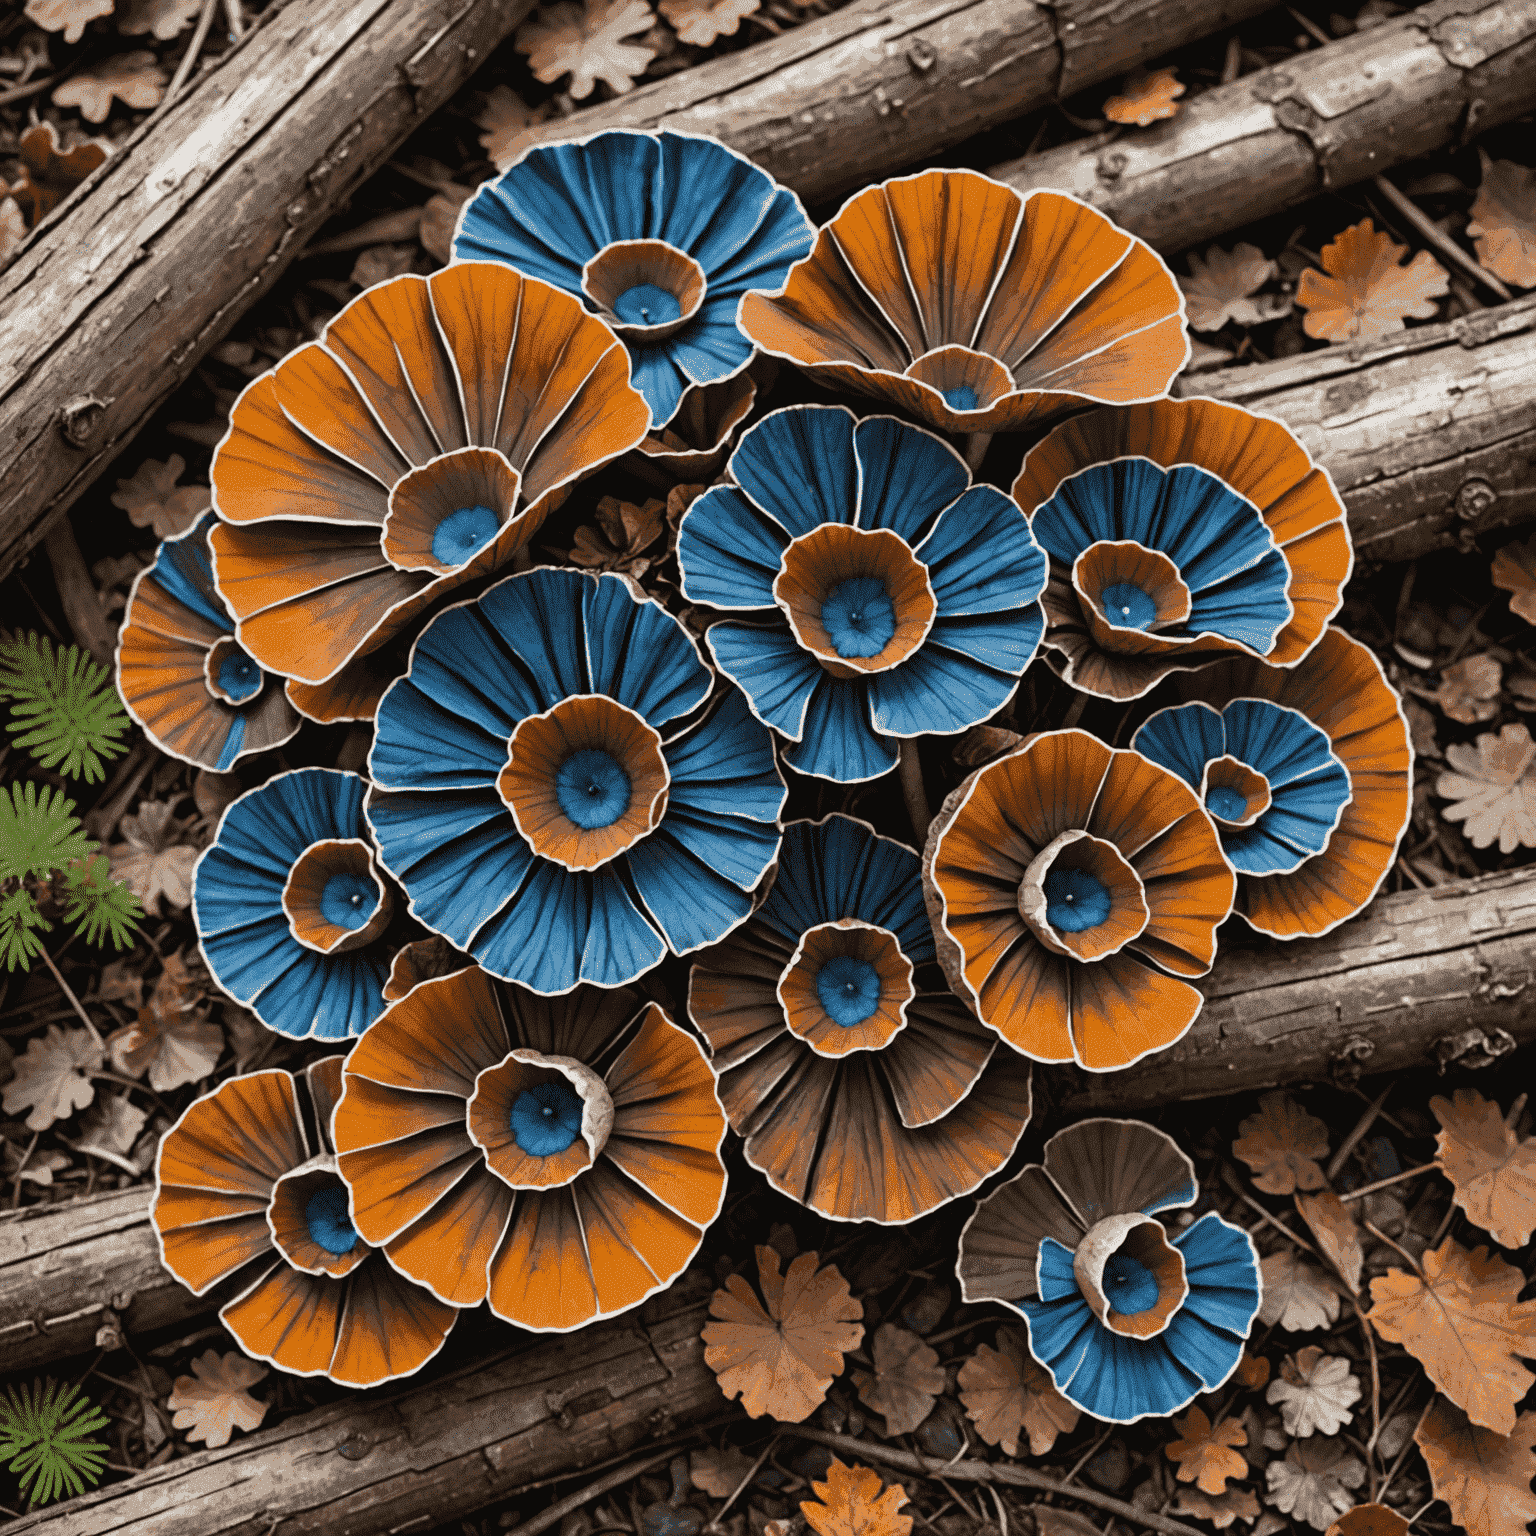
108 308
1420 979
876 86
1323 119
412 1458
1429 433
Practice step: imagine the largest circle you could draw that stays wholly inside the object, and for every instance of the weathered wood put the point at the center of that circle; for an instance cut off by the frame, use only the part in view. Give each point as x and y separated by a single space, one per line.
1429 434
1322 119
413 1458
878 86
1424 978
111 305
65 1269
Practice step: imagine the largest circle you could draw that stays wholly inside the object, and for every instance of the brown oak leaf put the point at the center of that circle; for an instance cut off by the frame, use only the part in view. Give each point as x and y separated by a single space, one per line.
623 532
1203 1452
1492 1171
906 1380
700 22
1221 284
1366 294
1503 224
165 18
1369 1520
71 17
1469 690
171 1039
780 1355
151 860
1313 1481
852 1505
504 122
1281 1144
1252 1371
49 172
1297 1295
719 1473
1006 1391
1485 1478
1333 1226
1221 1511
1314 1392
1461 1321
1147 98
213 1402
152 499
1514 571
53 1077
587 43
1493 789
135 78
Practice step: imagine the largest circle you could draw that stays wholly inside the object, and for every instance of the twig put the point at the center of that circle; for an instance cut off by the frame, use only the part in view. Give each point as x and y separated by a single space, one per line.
1083 1460
910 771
1381 1236
1397 1178
1370 1344
1438 238
1392 1408
1362 1125
714 1525
1232 65
1002 1514
22 92
236 20
620 1475
26 1157
189 58
74 1002
1402 1455
999 1472
1229 1178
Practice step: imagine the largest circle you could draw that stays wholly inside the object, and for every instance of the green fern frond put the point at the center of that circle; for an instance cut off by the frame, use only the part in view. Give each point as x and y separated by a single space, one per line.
64 703
38 832
20 920
43 1433
100 907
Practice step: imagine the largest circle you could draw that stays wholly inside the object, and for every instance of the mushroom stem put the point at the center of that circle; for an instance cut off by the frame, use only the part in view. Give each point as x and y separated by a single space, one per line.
910 771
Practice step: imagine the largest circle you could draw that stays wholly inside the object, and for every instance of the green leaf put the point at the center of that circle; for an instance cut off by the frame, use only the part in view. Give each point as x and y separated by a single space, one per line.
43 1431
100 907
63 704
19 916
38 832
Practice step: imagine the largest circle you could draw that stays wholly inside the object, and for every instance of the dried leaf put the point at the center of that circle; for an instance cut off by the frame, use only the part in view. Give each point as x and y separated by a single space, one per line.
1463 1324
1503 224
112 1123
379 263
906 1380
1297 1295
1147 98
852 1505
700 22
1483 1477
52 1077
781 1359
170 1040
69 16
505 120
1492 1171
1220 283
49 173
135 78
165 18
623 531
13 226
1252 1371
1313 1480
151 498
213 1402
719 1473
213 792
1366 294
1314 1392
1493 790
1203 1452
587 42
1006 1391
1234 1504
1332 1224
38 1169
1514 571
438 219
1369 1520
151 860
1281 1144
1469 690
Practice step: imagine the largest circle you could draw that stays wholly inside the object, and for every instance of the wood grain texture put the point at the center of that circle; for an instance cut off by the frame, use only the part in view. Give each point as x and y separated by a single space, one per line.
878 86
403 1460
1424 978
1329 118
1429 434
114 300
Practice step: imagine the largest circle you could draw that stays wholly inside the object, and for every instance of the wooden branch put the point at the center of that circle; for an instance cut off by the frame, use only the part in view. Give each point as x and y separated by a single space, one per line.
1425 978
1323 119
1429 434
878 86
111 303
416 1457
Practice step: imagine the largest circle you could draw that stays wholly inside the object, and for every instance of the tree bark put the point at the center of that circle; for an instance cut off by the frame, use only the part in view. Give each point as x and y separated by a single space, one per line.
1422 979
412 1458
1429 433
1324 119
877 86
110 305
